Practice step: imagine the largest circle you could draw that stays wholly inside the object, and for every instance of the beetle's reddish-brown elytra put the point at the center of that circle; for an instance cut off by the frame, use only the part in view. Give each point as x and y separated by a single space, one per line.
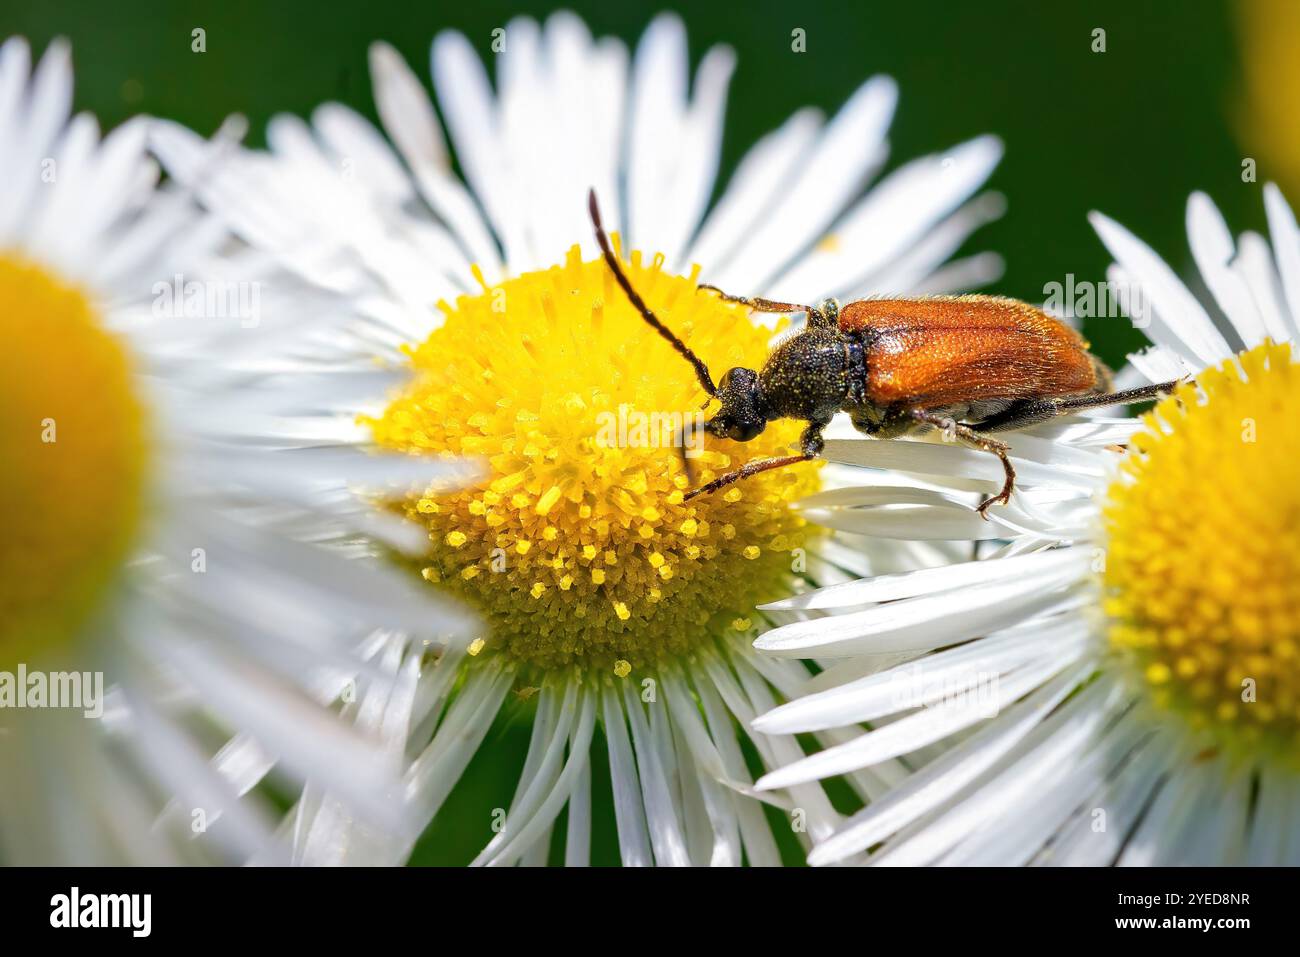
971 365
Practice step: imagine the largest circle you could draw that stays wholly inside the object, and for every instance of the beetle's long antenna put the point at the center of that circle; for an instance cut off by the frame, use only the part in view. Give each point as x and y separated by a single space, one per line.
701 370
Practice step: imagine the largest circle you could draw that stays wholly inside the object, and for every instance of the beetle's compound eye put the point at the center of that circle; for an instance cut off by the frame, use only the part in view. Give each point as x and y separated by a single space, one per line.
744 431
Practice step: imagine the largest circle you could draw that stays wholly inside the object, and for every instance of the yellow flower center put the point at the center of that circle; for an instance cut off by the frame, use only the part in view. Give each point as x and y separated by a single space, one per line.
579 547
72 445
1203 565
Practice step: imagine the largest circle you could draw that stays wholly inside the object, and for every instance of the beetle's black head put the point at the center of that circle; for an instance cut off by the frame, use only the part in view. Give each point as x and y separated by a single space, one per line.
742 416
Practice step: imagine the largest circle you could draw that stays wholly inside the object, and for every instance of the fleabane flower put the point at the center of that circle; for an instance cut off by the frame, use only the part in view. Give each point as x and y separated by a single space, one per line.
166 637
613 604
581 547
1119 681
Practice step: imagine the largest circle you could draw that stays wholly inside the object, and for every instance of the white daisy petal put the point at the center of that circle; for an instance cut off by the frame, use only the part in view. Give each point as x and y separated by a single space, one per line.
434 773
762 172
406 111
868 237
1126 795
919 685
44 117
656 120
919 729
697 155
1157 282
1283 231
924 269
917 623
1013 841
243 830
759 844
408 117
1040 755
1255 265
928 581
937 782
1213 249
666 835
629 812
471 120
1056 465
849 149
1275 838
553 802
577 839
15 68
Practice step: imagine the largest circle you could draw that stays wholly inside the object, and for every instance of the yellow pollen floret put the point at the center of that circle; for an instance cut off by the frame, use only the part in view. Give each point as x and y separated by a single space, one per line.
72 460
1202 571
560 388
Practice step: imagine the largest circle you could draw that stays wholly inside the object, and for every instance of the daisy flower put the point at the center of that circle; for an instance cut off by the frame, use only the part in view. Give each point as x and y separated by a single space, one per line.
155 600
1118 682
616 609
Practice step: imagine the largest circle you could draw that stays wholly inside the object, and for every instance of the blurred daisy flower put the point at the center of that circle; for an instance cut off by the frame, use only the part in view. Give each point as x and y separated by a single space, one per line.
149 572
1118 683
615 607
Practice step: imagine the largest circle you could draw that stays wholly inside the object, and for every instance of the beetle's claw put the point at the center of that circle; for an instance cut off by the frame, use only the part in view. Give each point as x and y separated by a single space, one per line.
1002 498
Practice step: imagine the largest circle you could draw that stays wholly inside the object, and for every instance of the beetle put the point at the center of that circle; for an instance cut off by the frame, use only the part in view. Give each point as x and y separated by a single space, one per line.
970 365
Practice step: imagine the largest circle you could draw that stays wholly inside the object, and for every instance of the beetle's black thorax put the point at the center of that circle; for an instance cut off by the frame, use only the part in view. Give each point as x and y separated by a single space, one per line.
808 375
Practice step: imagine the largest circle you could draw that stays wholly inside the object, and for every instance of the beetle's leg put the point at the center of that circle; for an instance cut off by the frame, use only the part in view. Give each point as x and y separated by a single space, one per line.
811 444
745 471
767 305
968 435
1028 412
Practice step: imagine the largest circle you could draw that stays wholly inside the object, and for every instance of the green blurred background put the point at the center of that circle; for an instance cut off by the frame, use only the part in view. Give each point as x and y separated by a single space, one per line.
1184 92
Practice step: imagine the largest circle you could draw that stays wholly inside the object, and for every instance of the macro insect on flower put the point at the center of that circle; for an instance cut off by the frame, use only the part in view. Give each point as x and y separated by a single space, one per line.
969 365
617 612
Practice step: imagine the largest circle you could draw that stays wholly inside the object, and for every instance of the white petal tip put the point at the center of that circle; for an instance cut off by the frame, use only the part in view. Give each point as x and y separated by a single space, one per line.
234 127
667 19
824 854
383 57
773 723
